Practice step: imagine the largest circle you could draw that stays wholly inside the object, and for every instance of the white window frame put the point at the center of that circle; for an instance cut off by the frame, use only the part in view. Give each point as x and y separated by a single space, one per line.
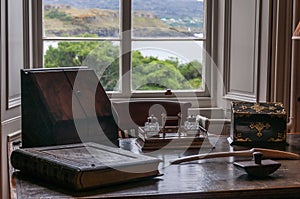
126 40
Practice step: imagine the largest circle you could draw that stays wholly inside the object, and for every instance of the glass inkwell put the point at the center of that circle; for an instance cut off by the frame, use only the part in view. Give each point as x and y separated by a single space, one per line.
191 125
151 126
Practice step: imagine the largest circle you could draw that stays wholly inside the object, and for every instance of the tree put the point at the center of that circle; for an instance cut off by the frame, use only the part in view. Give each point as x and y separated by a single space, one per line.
148 72
151 73
192 71
101 56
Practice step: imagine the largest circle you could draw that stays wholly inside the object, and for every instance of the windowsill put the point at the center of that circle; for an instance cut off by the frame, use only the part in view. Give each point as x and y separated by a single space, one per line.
197 102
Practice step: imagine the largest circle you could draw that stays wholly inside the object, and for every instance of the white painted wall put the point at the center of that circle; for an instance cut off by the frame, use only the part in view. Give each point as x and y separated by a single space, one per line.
11 62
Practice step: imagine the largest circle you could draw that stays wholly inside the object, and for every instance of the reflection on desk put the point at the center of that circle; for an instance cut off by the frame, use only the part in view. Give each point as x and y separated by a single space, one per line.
211 178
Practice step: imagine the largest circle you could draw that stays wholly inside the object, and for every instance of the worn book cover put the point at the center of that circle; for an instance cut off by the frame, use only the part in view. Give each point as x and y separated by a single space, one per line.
83 166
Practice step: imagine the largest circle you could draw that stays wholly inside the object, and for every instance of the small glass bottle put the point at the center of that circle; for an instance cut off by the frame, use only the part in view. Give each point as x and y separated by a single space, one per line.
152 124
191 123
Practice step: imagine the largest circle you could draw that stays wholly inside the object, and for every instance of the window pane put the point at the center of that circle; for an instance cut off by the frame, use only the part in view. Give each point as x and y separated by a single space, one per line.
168 18
165 65
102 56
65 18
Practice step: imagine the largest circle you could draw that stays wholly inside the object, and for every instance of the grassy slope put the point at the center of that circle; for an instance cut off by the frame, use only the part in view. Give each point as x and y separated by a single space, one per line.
95 19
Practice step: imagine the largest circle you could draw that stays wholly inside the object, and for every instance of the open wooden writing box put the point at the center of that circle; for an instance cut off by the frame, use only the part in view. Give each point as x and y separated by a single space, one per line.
65 106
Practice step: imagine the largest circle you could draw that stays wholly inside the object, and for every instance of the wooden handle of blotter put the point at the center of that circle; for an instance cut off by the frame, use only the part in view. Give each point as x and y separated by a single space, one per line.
267 153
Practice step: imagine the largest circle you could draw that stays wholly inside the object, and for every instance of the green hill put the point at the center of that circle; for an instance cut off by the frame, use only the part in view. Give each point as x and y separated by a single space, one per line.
64 20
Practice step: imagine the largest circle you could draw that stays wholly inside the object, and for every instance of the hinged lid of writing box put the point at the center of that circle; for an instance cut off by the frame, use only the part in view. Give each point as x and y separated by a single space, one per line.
64 106
258 123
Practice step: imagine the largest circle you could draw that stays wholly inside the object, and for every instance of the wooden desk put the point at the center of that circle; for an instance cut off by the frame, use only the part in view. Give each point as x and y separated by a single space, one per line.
213 178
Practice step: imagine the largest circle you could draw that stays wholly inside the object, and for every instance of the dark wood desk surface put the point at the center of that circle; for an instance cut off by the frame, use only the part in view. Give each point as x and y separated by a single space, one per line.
213 178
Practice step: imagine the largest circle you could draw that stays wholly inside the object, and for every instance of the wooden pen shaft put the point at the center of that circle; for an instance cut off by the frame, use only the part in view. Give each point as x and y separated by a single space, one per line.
267 153
212 155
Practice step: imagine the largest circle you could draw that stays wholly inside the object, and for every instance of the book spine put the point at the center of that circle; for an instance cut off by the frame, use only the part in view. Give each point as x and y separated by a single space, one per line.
45 169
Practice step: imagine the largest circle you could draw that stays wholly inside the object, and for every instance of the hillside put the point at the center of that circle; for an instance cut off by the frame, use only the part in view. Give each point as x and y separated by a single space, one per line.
79 17
175 8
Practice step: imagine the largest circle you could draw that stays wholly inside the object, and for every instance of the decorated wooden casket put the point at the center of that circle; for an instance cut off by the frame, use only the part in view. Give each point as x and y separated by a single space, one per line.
258 124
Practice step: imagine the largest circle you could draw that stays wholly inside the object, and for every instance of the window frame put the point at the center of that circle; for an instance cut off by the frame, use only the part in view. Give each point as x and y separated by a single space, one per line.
126 40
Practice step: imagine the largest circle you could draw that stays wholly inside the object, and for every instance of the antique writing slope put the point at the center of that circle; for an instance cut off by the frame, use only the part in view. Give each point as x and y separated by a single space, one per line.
83 166
64 106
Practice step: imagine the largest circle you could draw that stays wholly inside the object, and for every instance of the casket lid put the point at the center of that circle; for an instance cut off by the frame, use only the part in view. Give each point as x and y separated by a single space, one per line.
258 108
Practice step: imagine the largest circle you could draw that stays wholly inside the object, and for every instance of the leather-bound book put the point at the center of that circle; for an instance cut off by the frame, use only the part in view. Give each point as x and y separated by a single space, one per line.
83 166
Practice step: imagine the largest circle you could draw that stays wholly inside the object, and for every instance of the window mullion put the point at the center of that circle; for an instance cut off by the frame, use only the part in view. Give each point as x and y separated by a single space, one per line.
37 33
126 46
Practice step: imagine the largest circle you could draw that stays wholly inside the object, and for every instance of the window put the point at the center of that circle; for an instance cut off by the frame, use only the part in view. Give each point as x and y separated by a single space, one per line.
136 47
